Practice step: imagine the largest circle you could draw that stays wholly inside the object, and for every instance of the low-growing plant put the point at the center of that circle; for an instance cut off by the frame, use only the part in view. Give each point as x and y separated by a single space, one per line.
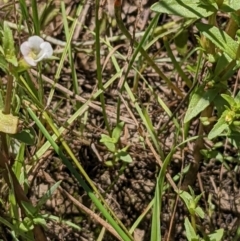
210 98
112 144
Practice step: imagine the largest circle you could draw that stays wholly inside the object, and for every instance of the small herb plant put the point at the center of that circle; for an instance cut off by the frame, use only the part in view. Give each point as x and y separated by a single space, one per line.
211 99
191 201
112 144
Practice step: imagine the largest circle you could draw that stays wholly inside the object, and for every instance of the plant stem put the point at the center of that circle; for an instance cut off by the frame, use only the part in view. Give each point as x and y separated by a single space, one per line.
8 99
175 63
193 222
6 111
232 26
8 174
99 67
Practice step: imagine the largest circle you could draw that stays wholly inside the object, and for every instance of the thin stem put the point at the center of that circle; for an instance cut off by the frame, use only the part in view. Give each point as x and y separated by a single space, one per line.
8 99
211 47
6 111
40 82
193 221
175 63
98 61
232 26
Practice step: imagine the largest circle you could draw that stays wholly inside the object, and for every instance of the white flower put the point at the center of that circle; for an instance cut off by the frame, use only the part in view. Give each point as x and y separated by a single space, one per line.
35 50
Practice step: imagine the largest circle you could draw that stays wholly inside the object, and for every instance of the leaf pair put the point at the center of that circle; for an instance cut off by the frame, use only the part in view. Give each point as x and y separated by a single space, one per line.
111 144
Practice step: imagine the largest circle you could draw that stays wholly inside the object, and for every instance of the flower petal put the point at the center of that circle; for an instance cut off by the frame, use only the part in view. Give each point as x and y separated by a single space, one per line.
35 42
46 49
25 48
35 50
30 60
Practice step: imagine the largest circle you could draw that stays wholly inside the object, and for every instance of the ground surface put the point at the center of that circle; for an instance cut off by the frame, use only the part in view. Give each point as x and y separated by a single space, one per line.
132 190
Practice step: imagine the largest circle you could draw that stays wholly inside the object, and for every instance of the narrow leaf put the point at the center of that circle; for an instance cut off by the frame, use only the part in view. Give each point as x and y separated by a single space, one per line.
124 156
110 146
40 220
118 130
48 194
218 128
217 235
199 101
234 4
27 136
8 45
222 40
29 209
199 212
26 225
229 99
155 230
190 233
183 8
105 138
186 197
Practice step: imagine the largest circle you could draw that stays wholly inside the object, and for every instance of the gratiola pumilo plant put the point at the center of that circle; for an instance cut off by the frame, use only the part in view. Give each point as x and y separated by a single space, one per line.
218 56
34 50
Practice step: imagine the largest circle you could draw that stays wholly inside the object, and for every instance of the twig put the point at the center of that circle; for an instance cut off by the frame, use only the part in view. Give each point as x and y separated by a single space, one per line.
82 18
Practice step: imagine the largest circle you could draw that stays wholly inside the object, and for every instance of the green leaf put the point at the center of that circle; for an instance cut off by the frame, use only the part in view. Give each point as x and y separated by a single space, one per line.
220 104
183 8
47 13
234 4
217 235
105 138
199 101
218 128
237 98
222 62
3 63
48 194
108 142
181 42
26 225
27 136
29 209
155 229
236 18
230 100
222 40
197 198
117 131
209 154
124 156
109 163
190 233
8 45
40 220
1 101
191 192
199 212
186 197
110 146
234 138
